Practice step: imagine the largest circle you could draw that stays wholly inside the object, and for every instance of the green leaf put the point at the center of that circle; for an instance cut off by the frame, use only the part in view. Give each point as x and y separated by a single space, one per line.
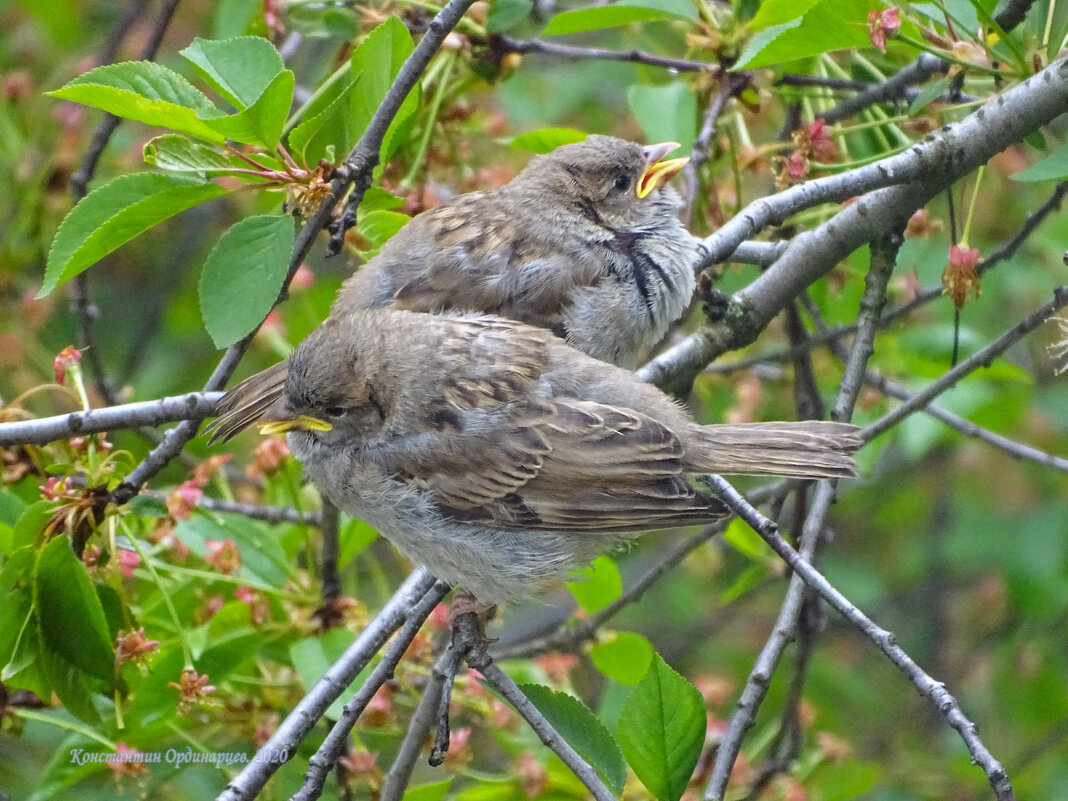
263 121
746 580
377 60
666 113
506 14
600 17
623 656
547 139
378 198
928 95
332 129
11 507
662 730
1054 167
232 639
379 226
148 506
69 612
31 522
243 276
112 606
178 153
313 656
428 792
776 12
19 643
70 683
1058 31
597 585
827 25
263 560
326 134
355 536
745 541
582 730
145 92
113 214
240 69
236 17
763 40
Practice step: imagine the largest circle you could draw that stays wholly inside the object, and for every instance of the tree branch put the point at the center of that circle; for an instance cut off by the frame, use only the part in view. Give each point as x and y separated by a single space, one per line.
334 745
504 44
934 690
357 172
981 358
193 406
252 778
502 683
929 166
884 254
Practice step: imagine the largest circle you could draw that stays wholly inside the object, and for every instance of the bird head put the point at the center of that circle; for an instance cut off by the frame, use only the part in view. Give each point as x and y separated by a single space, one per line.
604 178
324 388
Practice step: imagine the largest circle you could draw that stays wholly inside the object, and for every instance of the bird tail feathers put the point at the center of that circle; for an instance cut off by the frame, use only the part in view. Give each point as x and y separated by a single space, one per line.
805 449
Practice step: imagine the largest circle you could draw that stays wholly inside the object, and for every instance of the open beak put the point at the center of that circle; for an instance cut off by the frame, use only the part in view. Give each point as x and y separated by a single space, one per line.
302 422
657 172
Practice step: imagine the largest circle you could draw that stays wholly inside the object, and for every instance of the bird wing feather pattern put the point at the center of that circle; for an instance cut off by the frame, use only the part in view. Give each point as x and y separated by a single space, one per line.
492 450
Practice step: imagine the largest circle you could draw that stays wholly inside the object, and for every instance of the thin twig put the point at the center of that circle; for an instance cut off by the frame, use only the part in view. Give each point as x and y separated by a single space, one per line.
358 168
765 254
728 85
934 690
85 312
400 772
329 577
1015 449
268 514
504 44
334 745
298 723
892 89
502 683
981 358
884 253
191 406
1001 253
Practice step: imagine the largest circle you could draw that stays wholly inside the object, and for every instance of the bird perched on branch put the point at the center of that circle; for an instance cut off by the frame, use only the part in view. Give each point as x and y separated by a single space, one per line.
495 454
586 242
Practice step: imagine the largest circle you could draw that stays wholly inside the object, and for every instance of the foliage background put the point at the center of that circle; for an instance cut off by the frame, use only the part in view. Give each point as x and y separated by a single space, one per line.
955 546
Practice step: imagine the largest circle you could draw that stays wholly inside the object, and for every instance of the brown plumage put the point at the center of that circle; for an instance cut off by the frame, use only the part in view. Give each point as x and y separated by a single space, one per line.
585 242
498 456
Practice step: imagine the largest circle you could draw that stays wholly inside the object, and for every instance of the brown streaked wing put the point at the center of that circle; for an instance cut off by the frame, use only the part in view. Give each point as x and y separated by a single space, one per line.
608 470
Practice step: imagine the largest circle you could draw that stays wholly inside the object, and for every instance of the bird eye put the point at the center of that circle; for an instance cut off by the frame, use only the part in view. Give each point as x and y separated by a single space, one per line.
622 183
334 411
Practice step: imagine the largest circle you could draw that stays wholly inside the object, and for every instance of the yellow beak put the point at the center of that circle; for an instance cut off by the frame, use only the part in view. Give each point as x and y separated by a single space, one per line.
304 421
658 172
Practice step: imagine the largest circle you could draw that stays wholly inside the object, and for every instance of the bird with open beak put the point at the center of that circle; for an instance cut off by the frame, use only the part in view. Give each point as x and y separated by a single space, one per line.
584 242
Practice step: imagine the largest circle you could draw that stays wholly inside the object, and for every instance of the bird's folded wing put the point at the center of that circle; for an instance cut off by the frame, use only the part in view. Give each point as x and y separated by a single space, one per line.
491 265
560 465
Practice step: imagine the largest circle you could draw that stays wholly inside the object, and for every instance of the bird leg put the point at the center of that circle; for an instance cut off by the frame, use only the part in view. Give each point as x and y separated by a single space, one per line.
468 617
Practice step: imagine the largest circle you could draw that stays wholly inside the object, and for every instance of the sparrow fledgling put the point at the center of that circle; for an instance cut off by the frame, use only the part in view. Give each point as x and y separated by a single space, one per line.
586 242
495 454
